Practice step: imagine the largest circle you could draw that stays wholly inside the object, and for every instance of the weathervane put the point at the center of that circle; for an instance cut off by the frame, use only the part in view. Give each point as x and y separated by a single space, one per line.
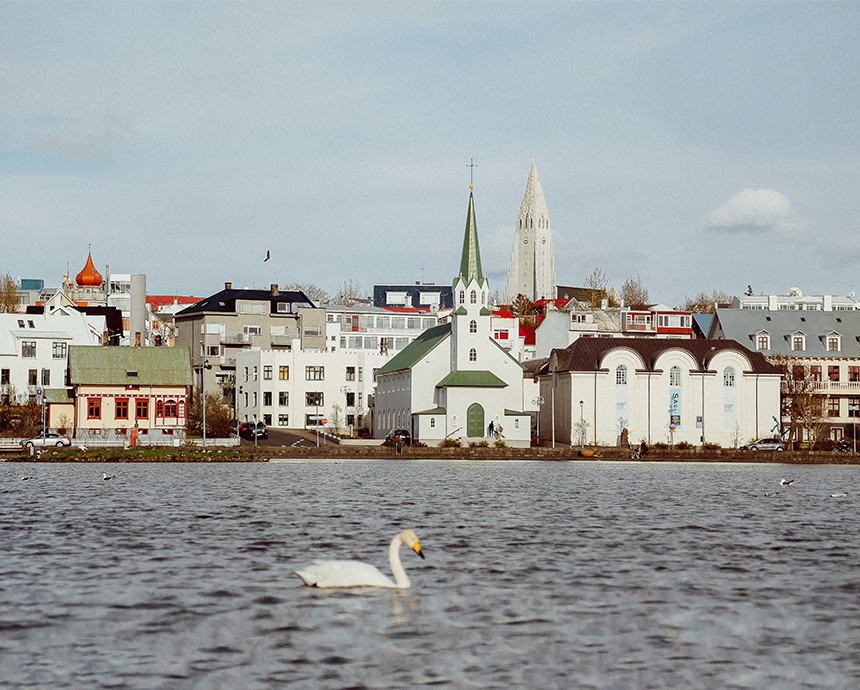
471 165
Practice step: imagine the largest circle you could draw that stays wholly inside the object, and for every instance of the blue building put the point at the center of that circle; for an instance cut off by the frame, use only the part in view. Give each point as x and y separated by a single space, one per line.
418 296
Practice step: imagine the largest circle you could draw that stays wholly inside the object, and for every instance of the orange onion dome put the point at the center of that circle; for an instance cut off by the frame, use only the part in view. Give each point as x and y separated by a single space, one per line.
89 276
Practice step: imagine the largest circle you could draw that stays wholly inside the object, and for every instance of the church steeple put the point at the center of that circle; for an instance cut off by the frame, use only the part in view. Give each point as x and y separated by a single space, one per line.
470 262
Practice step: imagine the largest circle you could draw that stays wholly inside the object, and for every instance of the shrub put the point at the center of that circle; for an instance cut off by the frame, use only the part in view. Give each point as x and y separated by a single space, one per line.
483 444
500 444
707 445
450 443
684 445
661 446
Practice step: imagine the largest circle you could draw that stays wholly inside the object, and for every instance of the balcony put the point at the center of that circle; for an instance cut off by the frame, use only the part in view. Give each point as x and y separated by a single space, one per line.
282 340
237 339
837 386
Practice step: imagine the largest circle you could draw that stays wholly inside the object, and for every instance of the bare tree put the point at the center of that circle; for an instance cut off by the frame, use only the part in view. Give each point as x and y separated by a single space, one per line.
634 293
349 293
496 297
703 303
313 292
596 284
801 400
8 294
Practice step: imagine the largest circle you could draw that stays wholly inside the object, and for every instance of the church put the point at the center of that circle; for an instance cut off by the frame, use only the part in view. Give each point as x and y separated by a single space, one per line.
532 271
455 381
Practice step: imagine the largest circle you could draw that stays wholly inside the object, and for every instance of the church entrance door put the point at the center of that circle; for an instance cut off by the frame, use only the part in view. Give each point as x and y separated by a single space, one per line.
475 420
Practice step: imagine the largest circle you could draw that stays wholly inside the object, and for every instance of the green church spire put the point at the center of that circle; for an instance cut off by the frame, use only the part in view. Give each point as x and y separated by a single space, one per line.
470 263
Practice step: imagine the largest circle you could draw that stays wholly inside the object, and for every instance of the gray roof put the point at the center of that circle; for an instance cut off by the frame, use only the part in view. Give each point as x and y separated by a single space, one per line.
744 324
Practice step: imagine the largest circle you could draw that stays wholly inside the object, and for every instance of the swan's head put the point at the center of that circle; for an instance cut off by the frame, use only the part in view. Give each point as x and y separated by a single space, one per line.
409 538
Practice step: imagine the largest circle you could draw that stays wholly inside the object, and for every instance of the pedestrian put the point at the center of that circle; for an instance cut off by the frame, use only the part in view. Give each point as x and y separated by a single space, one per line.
490 429
500 431
643 449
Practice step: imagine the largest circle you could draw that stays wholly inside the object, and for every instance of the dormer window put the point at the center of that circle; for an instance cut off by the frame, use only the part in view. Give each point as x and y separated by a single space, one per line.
833 342
797 342
762 340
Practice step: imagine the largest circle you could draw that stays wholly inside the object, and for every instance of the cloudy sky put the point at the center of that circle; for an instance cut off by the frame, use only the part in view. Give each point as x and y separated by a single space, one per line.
699 145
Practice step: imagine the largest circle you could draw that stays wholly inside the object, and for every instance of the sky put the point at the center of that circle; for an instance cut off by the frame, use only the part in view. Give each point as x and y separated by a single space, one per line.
698 145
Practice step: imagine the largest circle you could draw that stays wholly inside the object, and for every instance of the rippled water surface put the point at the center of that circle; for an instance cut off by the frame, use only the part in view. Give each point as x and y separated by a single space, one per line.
550 575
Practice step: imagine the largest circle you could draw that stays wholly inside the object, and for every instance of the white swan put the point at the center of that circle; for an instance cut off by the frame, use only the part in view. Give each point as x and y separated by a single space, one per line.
358 574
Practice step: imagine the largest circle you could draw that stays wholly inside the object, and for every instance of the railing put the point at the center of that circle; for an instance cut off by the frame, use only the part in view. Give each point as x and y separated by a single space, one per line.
238 338
282 340
836 385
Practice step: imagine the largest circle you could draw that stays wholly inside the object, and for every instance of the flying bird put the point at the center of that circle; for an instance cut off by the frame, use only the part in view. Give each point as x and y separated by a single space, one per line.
268 256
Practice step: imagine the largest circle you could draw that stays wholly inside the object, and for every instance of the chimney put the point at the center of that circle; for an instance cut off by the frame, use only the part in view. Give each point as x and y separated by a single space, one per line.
228 286
137 339
274 290
105 339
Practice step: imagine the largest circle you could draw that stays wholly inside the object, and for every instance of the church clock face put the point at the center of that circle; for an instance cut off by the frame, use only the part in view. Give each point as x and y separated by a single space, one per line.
543 241
525 240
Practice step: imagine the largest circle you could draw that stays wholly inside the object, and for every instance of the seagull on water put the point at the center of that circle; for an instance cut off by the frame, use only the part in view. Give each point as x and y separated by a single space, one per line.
772 494
841 494
106 478
786 482
26 479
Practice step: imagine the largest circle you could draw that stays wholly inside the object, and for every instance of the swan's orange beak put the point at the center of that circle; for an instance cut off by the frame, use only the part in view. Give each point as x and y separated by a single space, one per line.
416 547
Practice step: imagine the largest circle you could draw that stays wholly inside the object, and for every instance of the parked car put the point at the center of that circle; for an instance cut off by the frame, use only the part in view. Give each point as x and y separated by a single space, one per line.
51 439
252 430
765 444
399 435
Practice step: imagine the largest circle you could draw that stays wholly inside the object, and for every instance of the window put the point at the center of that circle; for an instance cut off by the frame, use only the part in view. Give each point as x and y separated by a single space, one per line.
313 399
58 350
94 408
854 374
121 408
283 398
360 374
473 355
350 373
350 399
267 419
28 348
5 375
621 375
141 408
314 373
283 420
763 341
833 343
500 334
833 373
854 407
797 372
245 374
432 422
833 407
46 377
267 372
815 370
473 326
462 296
284 373
675 376
729 377
473 297
171 409
267 398
159 408
255 372
33 377
213 350
252 329
798 342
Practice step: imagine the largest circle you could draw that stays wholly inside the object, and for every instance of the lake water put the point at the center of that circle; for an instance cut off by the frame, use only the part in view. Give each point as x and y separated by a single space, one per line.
537 575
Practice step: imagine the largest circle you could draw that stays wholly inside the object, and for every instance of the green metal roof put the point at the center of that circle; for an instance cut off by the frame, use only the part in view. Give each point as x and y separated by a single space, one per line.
434 410
514 413
470 262
410 355
59 395
472 379
155 366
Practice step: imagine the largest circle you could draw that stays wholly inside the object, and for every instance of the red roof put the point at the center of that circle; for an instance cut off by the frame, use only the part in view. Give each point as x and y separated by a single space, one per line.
528 333
159 300
560 303
503 313
405 310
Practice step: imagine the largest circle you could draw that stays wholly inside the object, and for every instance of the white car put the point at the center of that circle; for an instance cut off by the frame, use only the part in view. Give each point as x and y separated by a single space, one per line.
50 439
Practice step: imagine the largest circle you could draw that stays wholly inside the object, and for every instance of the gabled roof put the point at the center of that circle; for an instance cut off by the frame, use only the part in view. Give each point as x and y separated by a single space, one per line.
155 366
410 355
471 379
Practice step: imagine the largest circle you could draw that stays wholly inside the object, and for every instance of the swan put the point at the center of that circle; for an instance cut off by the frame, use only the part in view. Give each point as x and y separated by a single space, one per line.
358 574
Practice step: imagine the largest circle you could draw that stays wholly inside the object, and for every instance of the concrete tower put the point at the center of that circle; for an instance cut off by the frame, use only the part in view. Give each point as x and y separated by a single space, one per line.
532 271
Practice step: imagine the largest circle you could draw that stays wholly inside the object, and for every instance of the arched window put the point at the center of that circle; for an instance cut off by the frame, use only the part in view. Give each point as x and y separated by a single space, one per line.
675 376
729 377
159 409
432 422
473 297
473 326
473 355
170 408
462 296
621 375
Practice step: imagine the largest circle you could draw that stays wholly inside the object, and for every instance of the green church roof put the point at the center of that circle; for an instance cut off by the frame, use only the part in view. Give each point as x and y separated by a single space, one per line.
472 379
470 263
410 355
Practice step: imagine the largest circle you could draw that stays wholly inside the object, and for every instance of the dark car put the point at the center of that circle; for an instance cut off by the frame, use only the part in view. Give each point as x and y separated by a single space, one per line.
765 444
252 430
399 435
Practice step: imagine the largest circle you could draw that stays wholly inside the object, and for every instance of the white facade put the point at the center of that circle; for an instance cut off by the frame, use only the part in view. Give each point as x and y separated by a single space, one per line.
373 329
34 347
532 271
733 401
795 300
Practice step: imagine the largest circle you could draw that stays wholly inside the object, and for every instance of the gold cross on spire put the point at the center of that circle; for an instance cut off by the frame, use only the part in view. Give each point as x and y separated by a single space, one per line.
471 165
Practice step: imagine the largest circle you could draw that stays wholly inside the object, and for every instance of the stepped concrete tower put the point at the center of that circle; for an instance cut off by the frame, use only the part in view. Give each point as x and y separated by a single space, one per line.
532 271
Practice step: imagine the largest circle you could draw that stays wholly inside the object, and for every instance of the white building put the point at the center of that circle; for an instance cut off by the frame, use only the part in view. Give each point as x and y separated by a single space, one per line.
454 381
795 300
34 348
379 329
715 391
532 271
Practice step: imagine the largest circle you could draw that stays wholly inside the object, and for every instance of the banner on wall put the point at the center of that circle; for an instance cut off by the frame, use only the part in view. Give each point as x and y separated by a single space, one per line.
675 406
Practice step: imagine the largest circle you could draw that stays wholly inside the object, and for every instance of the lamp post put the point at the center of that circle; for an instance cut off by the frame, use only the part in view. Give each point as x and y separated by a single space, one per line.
346 390
203 368
539 400
703 393
581 424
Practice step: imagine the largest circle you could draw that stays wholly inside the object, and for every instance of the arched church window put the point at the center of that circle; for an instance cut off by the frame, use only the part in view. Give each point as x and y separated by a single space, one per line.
462 296
473 326
729 377
473 355
621 375
675 376
473 297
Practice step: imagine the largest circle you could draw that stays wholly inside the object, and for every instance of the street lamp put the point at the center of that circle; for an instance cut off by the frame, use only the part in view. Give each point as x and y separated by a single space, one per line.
581 424
203 368
539 400
703 393
346 390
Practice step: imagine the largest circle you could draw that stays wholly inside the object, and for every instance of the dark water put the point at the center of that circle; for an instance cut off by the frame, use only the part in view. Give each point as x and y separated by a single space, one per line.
538 575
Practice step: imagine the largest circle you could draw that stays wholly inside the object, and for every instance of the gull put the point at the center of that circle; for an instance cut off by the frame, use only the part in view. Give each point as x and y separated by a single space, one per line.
841 494
107 478
268 256
786 482
83 448
26 479
772 494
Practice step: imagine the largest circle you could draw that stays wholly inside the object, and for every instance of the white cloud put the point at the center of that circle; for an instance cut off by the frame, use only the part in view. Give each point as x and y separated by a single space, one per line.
757 210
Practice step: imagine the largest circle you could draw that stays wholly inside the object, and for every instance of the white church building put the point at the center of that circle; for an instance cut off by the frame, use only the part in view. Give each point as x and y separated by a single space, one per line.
532 271
455 380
